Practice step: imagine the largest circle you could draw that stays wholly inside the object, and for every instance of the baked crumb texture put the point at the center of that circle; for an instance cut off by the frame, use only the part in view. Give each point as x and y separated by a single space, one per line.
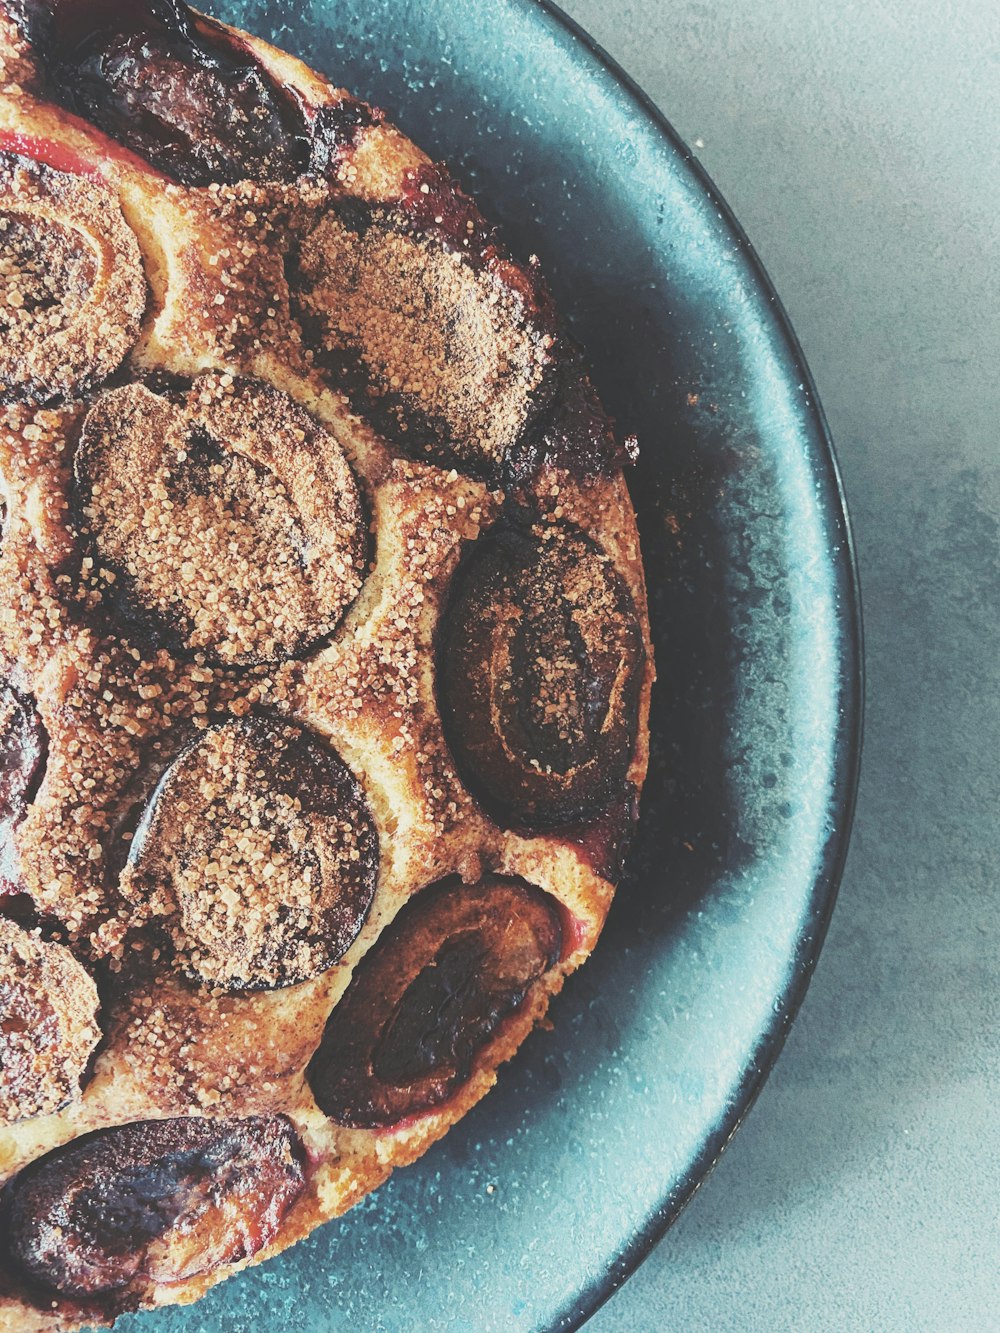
324 661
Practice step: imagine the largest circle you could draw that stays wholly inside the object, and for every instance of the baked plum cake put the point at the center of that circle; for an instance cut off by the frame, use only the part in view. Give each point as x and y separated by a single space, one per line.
324 655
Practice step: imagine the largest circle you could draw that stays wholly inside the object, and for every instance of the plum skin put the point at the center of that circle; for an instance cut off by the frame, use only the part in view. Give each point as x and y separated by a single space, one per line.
437 987
151 1201
539 670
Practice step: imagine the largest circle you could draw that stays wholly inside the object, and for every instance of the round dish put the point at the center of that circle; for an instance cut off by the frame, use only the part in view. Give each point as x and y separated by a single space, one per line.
542 1200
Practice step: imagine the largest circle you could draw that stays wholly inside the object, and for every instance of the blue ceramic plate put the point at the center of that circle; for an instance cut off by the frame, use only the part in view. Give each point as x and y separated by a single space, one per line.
538 1204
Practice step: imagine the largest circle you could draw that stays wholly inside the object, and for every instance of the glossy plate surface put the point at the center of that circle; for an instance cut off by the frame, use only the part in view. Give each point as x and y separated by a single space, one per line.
541 1200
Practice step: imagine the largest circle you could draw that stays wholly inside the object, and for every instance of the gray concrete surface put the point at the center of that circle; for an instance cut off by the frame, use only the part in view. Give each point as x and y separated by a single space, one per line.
858 144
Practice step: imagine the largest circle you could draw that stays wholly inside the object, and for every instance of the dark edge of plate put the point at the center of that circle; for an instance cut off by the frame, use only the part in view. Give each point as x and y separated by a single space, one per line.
847 759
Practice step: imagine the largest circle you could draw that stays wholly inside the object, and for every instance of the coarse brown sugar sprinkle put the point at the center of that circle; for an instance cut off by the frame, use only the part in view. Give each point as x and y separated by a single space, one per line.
261 884
72 287
44 992
227 562
434 333
239 535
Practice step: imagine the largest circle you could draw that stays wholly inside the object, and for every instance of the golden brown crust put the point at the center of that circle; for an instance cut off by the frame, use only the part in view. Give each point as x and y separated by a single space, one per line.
118 710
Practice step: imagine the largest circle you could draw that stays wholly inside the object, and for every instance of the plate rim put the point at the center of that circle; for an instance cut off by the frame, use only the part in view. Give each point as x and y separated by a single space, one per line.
846 765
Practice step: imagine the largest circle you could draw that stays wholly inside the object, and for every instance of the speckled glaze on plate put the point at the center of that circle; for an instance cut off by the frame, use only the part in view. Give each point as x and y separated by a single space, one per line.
539 1203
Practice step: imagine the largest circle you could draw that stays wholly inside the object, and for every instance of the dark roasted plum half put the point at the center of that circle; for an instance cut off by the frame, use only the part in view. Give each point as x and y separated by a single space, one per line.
156 1201
72 282
456 962
446 355
48 1024
174 88
539 667
228 524
259 854
22 756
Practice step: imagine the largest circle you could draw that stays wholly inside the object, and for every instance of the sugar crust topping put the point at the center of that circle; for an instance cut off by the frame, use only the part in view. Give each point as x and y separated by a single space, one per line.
214 544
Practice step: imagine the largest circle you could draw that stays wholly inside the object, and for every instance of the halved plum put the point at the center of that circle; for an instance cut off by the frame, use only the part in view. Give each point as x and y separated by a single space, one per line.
444 351
228 523
539 666
22 756
172 87
48 1024
155 1201
259 853
457 961
73 285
